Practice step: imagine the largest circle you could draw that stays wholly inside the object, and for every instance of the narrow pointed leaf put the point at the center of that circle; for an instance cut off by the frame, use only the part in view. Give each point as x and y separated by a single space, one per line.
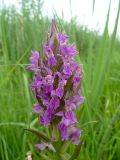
77 151
39 134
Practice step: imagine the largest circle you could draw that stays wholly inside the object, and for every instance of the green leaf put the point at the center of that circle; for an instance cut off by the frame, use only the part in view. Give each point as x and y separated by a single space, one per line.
65 156
77 151
41 135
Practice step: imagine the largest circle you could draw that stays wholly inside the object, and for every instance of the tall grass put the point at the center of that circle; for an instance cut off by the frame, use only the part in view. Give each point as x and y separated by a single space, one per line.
99 116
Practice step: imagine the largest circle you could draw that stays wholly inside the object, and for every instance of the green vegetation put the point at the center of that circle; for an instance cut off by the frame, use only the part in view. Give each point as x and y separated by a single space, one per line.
99 117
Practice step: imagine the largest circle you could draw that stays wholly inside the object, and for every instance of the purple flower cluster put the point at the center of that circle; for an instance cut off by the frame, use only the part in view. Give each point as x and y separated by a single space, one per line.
56 85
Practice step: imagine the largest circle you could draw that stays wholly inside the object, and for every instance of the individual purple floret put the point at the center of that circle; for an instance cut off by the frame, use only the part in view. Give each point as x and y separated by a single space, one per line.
56 84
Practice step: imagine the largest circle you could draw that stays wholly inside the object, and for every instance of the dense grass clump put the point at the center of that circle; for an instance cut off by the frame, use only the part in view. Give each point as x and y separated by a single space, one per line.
99 117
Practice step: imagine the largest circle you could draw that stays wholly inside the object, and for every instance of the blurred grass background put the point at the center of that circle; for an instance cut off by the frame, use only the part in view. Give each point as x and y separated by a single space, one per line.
99 117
